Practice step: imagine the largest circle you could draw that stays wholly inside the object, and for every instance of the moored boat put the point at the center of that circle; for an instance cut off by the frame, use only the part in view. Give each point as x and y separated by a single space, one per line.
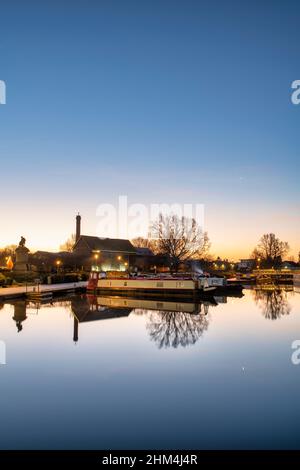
151 285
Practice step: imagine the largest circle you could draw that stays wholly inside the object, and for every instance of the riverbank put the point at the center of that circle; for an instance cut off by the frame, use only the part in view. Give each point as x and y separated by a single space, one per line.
23 291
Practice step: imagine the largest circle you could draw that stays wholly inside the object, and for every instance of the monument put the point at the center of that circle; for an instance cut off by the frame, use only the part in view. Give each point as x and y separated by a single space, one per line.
21 264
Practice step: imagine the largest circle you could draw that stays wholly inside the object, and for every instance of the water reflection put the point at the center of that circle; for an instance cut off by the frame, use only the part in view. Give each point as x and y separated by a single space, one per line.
273 301
137 360
170 324
22 308
173 329
19 314
88 309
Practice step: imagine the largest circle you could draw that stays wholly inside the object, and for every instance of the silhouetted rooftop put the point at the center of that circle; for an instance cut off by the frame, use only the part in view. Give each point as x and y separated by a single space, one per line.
105 244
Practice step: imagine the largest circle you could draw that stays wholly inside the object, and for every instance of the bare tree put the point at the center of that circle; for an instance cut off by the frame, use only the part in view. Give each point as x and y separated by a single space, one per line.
173 329
69 243
270 250
180 239
141 242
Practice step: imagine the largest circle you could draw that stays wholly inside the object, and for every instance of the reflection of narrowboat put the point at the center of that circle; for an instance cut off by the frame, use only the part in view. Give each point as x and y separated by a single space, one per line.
151 304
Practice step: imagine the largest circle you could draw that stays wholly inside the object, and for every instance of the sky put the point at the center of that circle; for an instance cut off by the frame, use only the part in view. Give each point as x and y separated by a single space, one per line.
184 102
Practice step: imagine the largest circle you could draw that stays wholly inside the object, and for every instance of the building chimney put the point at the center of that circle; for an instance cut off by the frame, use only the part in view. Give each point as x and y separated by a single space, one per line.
75 331
78 225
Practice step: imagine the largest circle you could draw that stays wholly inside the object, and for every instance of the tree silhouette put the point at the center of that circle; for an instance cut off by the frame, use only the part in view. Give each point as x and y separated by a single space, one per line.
173 329
179 238
270 250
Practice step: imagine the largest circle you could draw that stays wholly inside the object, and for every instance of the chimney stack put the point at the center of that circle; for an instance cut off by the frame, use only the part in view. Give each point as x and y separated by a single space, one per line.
78 227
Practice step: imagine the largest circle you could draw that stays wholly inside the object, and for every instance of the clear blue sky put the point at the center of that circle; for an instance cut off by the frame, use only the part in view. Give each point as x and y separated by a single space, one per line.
165 101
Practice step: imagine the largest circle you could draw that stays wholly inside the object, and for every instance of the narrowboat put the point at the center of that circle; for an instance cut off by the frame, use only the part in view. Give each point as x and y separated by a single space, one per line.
151 285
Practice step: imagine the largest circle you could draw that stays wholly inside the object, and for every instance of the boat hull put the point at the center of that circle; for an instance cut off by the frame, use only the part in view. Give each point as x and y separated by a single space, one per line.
150 287
148 284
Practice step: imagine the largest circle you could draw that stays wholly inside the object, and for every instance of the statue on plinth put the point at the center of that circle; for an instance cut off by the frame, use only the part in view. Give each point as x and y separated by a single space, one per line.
22 251
22 241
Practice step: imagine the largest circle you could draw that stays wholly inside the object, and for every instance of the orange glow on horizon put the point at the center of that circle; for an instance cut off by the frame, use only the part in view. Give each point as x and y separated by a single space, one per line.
233 231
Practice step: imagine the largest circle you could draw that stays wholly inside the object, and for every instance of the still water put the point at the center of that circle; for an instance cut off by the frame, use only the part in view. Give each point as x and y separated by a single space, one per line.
103 373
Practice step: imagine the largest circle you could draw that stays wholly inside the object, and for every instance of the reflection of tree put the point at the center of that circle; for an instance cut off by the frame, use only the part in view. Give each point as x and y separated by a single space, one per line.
173 329
272 302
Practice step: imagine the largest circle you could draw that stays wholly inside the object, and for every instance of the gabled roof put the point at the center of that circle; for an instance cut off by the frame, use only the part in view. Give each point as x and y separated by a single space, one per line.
106 244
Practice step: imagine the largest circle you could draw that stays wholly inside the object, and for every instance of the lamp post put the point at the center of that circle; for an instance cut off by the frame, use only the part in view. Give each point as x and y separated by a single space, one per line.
119 258
96 256
258 261
58 263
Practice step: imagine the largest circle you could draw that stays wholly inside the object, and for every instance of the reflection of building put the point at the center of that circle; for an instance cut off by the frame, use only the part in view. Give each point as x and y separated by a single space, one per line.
86 309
